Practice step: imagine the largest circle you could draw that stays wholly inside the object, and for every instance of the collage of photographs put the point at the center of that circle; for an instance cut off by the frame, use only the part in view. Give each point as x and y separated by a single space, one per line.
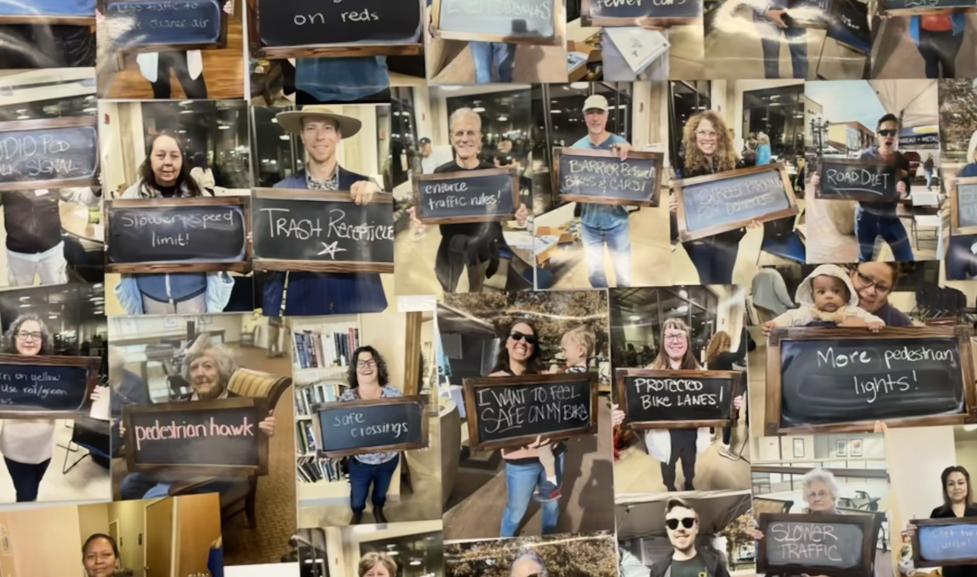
488 288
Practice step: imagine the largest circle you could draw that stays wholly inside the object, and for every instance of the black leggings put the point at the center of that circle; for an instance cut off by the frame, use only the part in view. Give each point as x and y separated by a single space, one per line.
177 62
939 49
27 478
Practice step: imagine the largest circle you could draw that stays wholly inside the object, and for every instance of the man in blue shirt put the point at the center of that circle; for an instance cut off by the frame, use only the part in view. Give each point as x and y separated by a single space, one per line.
600 223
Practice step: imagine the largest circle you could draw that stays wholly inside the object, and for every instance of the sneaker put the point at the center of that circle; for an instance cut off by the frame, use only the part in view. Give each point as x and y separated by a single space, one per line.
547 492
726 452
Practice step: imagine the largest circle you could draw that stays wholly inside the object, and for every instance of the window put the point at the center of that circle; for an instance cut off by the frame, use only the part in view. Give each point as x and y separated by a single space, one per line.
778 112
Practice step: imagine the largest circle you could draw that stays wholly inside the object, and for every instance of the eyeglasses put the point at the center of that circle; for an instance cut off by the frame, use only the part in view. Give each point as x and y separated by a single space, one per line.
687 522
888 132
706 133
366 364
516 336
32 335
818 495
675 337
866 281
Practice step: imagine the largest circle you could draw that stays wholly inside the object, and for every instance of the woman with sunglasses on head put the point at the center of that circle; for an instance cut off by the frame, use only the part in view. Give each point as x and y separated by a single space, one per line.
533 470
368 380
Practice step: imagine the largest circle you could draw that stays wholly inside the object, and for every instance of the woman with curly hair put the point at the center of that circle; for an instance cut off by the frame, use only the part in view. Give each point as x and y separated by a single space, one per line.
368 380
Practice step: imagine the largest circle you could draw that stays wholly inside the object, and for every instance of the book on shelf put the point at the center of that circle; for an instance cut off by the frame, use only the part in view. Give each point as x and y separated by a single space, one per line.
316 469
320 392
316 350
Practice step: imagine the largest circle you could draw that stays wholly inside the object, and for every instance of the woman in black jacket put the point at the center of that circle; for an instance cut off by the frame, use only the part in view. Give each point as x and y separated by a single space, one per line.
957 502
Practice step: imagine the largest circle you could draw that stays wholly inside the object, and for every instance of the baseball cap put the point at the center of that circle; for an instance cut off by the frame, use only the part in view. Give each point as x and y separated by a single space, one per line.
595 101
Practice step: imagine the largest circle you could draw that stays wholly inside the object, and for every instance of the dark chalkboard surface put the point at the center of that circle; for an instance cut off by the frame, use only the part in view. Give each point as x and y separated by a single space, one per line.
154 25
657 399
923 6
48 153
177 235
512 411
625 12
939 542
861 180
196 437
301 28
359 427
39 386
322 231
487 195
599 176
514 21
825 379
68 12
709 205
963 206
837 545
848 24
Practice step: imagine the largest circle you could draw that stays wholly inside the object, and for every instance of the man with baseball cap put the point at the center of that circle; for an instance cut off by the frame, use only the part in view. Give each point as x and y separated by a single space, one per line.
321 131
601 223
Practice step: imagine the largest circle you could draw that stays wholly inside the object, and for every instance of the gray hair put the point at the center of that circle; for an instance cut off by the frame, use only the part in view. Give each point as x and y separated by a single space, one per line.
226 365
532 556
823 476
465 111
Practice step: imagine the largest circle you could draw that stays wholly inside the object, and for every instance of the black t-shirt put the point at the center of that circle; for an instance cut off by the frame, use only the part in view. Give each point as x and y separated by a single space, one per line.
694 567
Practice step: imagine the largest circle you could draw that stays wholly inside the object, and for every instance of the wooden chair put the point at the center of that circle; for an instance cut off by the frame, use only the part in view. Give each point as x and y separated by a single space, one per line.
257 385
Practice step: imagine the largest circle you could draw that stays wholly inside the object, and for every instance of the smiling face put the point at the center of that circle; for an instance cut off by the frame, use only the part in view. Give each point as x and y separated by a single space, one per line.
830 293
466 136
367 372
682 537
205 377
100 559
956 487
706 137
517 345
28 338
676 343
873 281
573 350
166 160
320 138
819 497
596 120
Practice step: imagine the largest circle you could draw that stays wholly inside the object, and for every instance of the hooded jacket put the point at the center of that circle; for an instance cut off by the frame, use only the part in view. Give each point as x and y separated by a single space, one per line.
807 312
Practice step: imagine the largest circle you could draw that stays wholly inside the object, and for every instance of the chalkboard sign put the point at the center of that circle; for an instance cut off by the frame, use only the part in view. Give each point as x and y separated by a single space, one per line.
322 232
46 386
848 25
48 153
156 25
836 545
625 12
513 21
963 206
599 176
846 379
177 235
303 28
715 203
50 12
945 542
659 399
360 427
861 180
513 411
486 195
217 437
897 7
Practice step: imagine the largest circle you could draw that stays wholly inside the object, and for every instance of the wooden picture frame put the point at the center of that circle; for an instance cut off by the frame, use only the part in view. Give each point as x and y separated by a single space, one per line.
90 364
735 378
462 175
679 185
348 50
240 202
179 470
588 19
42 124
773 394
52 20
868 198
656 157
865 522
417 400
559 18
221 42
919 561
963 6
955 227
473 385
270 264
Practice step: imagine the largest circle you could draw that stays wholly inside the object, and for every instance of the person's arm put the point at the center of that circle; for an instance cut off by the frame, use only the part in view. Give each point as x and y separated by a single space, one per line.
219 288
786 319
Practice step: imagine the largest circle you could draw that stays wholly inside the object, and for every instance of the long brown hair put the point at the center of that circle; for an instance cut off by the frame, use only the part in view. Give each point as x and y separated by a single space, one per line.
945 476
718 344
695 162
185 184
688 360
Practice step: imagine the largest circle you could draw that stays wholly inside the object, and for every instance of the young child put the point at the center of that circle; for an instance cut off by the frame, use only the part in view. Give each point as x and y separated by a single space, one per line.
827 296
577 345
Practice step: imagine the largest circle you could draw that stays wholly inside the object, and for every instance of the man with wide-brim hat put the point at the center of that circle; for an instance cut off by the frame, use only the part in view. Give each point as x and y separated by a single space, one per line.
322 129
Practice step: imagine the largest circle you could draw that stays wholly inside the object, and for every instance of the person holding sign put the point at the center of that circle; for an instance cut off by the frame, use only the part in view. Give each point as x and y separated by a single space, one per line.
602 224
100 555
27 444
826 297
957 502
165 173
682 526
368 380
322 131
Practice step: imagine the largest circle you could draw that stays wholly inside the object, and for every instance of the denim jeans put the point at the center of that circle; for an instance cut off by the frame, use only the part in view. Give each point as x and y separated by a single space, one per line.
889 227
362 475
770 43
491 55
521 481
618 240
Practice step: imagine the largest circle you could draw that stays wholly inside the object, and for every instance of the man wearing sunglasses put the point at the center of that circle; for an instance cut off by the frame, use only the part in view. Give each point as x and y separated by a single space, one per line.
682 526
877 218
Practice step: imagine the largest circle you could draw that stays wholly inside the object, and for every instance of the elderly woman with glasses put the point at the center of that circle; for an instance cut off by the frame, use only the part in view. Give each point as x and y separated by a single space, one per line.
368 380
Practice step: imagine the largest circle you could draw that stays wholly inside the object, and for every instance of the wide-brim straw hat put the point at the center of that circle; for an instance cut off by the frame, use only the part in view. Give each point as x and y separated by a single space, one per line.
291 121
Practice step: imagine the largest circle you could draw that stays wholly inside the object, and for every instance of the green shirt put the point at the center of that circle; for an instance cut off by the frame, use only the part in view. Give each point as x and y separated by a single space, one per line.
694 567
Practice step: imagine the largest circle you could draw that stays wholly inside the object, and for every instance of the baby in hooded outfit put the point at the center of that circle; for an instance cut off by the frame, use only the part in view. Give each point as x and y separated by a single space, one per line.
827 296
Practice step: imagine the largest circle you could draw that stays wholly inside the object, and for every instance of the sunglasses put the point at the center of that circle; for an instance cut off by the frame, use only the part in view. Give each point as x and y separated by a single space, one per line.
516 336
687 522
888 132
